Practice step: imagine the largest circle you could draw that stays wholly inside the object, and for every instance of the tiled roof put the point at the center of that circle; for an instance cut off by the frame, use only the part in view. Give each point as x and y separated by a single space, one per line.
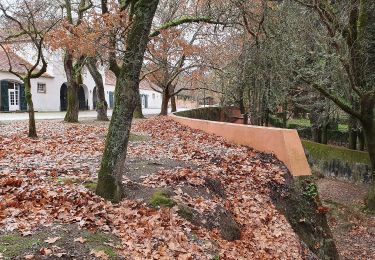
110 79
18 63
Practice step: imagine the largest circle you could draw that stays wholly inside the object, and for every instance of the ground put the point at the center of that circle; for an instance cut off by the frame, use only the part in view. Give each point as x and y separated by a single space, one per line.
187 196
17 116
353 229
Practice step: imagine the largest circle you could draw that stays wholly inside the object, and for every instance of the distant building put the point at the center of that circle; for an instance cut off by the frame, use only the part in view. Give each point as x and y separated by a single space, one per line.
50 91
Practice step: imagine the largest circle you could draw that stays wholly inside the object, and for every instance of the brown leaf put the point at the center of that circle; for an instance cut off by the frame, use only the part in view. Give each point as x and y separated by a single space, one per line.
45 251
80 240
51 240
100 254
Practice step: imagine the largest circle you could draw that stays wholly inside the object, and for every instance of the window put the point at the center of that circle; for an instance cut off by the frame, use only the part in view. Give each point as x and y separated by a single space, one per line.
153 96
41 88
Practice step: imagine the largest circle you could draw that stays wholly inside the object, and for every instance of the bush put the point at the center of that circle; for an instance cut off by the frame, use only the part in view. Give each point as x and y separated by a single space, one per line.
205 113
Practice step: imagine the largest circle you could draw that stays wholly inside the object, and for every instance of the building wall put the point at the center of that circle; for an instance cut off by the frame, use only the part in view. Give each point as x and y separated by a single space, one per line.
50 101
154 98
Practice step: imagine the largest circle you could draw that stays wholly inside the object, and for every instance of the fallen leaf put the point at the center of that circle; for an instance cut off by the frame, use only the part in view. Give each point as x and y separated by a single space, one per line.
59 255
100 254
51 240
80 240
45 251
26 233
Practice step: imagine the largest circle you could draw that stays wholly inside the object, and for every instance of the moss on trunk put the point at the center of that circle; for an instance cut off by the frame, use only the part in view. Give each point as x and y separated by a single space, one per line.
298 200
127 97
138 110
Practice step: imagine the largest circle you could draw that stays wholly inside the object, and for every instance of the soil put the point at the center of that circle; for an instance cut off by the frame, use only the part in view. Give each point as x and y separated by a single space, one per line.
353 229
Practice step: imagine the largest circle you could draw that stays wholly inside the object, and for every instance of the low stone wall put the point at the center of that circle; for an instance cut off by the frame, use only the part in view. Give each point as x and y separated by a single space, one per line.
338 162
284 143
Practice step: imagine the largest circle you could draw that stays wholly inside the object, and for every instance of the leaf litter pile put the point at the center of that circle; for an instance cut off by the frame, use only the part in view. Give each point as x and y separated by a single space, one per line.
44 181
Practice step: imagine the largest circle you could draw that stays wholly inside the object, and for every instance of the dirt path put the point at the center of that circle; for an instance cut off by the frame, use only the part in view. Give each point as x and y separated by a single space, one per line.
353 230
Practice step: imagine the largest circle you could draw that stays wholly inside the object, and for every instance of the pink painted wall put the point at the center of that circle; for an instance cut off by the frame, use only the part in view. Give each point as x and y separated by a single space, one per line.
284 143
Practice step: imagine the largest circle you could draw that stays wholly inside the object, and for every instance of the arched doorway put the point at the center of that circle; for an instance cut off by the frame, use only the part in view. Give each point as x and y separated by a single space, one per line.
63 97
82 99
83 103
94 98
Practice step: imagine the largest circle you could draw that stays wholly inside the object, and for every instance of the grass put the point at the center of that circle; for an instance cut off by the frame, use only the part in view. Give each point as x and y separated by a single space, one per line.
303 122
329 152
161 199
97 240
12 245
108 250
299 121
90 186
96 237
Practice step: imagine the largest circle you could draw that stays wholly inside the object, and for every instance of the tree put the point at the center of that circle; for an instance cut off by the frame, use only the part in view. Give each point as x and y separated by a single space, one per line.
68 37
132 42
141 13
101 104
26 25
353 41
168 55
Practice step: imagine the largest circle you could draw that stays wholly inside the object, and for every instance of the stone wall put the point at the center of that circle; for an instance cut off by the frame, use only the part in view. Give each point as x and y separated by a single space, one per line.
338 162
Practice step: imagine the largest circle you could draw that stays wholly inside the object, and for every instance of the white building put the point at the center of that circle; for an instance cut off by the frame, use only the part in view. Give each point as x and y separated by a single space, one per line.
49 91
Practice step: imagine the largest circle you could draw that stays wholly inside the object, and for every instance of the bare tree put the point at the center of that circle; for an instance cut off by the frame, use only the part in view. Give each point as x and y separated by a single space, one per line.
26 25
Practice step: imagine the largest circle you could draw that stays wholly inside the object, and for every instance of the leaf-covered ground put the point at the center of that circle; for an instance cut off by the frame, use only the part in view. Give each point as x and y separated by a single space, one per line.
48 182
352 228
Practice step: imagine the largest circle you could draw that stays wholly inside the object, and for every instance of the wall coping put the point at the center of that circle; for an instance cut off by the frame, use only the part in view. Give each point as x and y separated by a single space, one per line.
285 144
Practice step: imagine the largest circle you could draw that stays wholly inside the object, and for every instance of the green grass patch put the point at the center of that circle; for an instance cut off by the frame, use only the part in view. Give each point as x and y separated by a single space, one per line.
13 245
90 186
108 250
305 123
329 152
96 240
96 237
161 199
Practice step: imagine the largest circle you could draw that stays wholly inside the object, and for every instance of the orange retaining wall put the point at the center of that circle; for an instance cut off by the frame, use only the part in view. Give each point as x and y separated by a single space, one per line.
284 143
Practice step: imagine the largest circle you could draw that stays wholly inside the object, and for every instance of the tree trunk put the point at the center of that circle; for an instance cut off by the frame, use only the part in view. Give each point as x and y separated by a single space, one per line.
316 134
352 133
369 132
72 110
101 104
138 109
127 96
361 140
30 106
164 103
324 133
241 105
72 92
173 103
